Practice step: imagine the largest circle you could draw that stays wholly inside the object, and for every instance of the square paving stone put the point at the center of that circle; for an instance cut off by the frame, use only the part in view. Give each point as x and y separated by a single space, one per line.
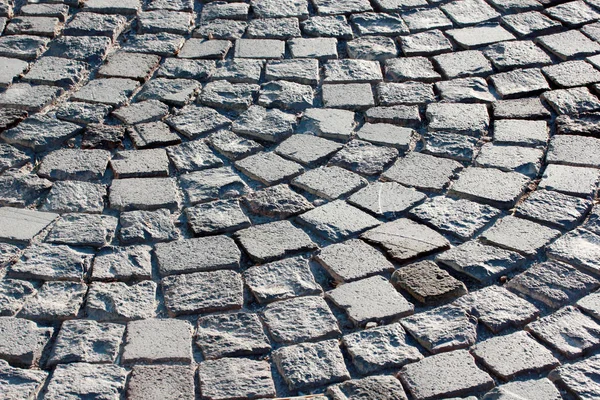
202 48
158 340
117 301
83 230
145 111
376 48
203 292
194 121
17 382
489 185
524 160
425 43
404 239
307 149
123 64
553 283
91 49
239 70
516 54
274 240
140 163
152 134
126 7
276 201
593 222
221 29
572 73
577 124
352 96
55 301
352 260
529 108
520 132
202 254
164 21
80 380
579 377
329 182
281 279
576 181
419 20
498 308
569 44
568 330
331 7
571 101
477 36
161 44
480 261
224 10
450 145
22 341
327 26
91 24
56 71
465 90
328 123
423 171
388 135
513 355
301 70
74 164
177 92
387 199
147 226
286 95
428 283
143 194
259 48
463 63
371 386
24 47
19 225
392 93
51 262
24 96
123 263
20 188
111 91
310 365
234 96
449 374
38 25
233 146
380 348
268 168
519 83
590 304
573 13
216 217
337 220
442 329
409 69
13 294
469 12
279 9
300 319
11 157
160 382
280 28
553 208
230 378
87 341
574 150
364 158
372 23
227 335
461 218
83 113
580 248
212 184
450 117
519 235
271 125
370 299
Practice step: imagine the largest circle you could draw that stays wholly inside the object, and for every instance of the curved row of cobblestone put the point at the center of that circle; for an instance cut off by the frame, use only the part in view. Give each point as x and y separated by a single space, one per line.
345 199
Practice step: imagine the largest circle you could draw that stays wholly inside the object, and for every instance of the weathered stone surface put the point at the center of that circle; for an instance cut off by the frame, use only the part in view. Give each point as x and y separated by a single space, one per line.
158 341
387 199
216 217
123 263
145 111
107 137
86 380
423 171
51 262
233 146
428 283
193 156
553 283
579 248
329 123
480 261
269 168
521 108
203 292
212 184
576 181
229 378
524 160
533 389
237 334
442 329
91 24
87 341
372 386
300 319
24 47
519 235
271 28
13 294
425 43
404 239
388 135
468 90
352 96
201 48
20 383
21 226
450 117
311 364
380 348
74 164
162 44
20 188
513 355
477 36
307 149
364 157
147 226
519 132
276 201
40 133
22 341
352 260
286 95
450 145
91 49
569 44
259 48
279 9
329 182
443 375
55 301
234 96
304 71
578 377
271 125
160 382
574 150
171 91
56 71
11 68
143 193
221 29
553 208
111 91
498 308
116 301
370 299
83 113
571 101
83 230
152 134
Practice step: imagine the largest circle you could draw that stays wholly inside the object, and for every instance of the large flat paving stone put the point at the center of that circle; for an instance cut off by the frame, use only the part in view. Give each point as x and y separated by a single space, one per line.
21 226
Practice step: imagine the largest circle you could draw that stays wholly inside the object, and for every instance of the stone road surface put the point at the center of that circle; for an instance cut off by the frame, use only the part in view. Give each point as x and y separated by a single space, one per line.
342 199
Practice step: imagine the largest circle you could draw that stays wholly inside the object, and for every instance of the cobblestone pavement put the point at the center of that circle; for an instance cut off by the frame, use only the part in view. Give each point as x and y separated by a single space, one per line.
343 199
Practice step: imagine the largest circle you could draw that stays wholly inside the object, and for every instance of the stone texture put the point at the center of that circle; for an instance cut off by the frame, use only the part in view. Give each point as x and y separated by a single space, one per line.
74 196
374 386
269 168
216 217
533 389
387 199
55 301
578 377
143 193
553 208
212 184
22 341
40 133
158 340
83 229
276 201
519 235
51 262
576 181
271 125
77 380
329 182
147 226
13 294
117 301
21 189
22 225
229 378
423 171
123 263
193 156
307 149
160 382
20 383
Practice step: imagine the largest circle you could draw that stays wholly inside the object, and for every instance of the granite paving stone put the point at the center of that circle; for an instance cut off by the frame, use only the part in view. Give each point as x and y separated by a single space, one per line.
123 263
158 340
129 65
575 181
573 150
132 194
270 125
73 164
579 248
376 48
51 262
216 217
554 208
20 225
273 28
477 36
24 96
222 94
423 171
160 381
13 294
101 136
516 54
372 386
578 377
86 380
111 91
83 113
147 226
91 49
329 182
212 184
15 382
327 122
426 43
202 48
55 301
521 132
528 108
387 199
450 145
83 230
20 189
277 201
25 47
186 69
22 341
117 301
269 168
194 121
232 146
229 378
531 23
162 44
152 134
92 24
352 96
327 26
